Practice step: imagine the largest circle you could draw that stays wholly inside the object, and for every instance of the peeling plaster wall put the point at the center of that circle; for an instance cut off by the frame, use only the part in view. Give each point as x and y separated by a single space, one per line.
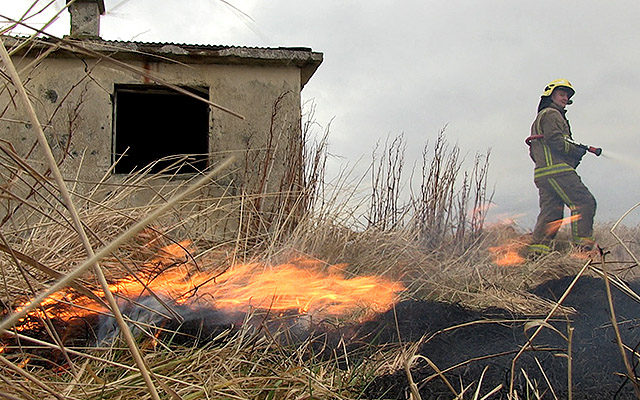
74 101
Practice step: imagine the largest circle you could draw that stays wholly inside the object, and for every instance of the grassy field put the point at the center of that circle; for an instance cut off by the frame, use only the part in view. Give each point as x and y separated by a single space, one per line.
436 255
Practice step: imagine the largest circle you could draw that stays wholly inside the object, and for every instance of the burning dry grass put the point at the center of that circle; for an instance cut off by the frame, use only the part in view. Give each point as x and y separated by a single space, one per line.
282 356
262 360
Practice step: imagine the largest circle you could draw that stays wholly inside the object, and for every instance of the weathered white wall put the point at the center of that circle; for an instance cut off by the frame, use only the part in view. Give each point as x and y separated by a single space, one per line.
73 97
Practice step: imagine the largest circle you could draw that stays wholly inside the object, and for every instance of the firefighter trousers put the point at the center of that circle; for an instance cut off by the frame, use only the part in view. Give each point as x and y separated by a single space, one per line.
556 192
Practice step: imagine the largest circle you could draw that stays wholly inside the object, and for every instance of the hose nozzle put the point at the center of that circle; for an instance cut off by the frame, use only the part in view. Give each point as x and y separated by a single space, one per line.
595 150
591 149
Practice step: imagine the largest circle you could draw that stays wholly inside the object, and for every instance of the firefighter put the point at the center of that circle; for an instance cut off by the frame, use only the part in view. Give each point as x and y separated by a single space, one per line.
556 157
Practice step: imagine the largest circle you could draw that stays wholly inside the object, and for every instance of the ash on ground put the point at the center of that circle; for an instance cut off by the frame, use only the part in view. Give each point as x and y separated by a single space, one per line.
597 366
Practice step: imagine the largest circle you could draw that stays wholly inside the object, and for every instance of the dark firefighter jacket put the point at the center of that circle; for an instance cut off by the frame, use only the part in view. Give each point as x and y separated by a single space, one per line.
553 154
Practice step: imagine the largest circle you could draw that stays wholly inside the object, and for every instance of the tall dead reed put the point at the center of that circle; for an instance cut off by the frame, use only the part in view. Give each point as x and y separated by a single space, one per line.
450 204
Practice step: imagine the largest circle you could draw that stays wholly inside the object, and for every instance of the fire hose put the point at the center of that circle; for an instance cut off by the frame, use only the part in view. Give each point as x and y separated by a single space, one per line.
591 149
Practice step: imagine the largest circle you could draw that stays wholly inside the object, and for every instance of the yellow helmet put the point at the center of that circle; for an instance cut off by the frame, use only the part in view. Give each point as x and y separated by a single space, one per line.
556 84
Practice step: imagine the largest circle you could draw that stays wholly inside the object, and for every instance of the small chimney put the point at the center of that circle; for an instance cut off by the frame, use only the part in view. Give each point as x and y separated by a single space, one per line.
85 18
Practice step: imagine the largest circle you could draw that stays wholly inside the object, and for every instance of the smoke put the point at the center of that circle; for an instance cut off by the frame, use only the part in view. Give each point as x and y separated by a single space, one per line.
147 315
198 322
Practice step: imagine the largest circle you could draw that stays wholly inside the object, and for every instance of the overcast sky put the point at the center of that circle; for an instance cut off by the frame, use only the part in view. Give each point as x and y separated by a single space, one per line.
477 67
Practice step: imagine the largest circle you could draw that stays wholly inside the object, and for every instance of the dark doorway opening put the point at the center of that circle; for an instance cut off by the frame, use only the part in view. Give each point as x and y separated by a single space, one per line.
153 124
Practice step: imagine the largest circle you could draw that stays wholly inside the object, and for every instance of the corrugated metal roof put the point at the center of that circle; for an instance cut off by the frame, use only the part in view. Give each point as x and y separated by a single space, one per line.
303 57
207 46
128 43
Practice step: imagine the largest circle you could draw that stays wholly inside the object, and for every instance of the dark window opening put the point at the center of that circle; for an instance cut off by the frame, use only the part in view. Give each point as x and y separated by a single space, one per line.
158 125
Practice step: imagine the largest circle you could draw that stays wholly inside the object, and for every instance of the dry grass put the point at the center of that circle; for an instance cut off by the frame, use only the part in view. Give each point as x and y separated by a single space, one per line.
245 364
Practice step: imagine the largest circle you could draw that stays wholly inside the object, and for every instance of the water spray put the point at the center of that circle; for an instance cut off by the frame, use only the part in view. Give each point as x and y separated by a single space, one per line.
622 158
591 149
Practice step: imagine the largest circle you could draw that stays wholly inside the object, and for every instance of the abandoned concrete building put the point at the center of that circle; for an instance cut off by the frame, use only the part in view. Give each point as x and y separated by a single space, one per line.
112 108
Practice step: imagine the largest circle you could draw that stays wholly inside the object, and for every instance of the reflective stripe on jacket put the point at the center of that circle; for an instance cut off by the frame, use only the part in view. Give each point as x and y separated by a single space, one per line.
552 154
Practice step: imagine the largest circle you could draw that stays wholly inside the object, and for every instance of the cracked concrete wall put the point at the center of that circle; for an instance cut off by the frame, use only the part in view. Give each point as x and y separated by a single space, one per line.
74 101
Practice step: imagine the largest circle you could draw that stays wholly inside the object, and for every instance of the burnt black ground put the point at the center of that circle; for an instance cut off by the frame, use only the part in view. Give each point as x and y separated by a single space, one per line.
597 364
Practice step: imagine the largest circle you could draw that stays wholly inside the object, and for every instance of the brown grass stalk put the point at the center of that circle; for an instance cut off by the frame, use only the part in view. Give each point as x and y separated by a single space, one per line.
112 246
42 140
570 362
542 325
614 323
78 47
28 376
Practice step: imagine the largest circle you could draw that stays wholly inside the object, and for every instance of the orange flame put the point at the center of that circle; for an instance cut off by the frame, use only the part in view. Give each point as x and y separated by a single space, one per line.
553 226
301 285
508 254
24 362
290 286
61 305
